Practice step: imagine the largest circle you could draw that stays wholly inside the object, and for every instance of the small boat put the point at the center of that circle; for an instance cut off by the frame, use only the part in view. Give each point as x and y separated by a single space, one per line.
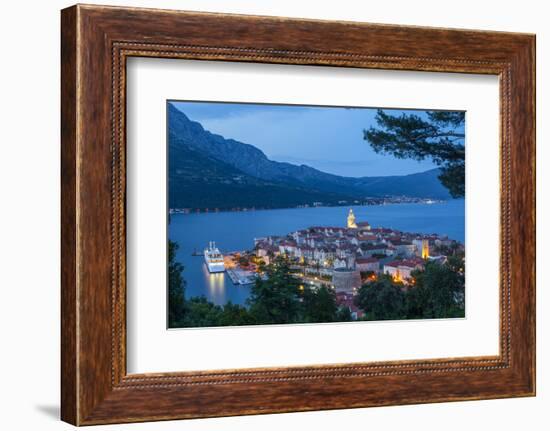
213 258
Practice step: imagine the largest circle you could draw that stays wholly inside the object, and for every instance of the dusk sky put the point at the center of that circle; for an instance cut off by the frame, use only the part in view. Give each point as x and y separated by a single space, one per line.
326 138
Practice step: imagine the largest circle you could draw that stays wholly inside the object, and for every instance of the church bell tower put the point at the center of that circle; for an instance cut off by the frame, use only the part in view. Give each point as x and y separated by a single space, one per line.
351 220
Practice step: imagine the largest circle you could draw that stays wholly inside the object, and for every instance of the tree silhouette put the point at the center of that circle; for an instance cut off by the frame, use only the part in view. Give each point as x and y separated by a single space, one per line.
276 299
382 299
438 136
176 288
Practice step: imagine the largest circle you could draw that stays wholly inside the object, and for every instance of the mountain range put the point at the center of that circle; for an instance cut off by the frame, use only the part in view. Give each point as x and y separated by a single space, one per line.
209 171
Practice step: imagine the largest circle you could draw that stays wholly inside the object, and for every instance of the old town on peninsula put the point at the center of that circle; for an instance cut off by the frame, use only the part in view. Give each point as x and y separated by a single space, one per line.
344 257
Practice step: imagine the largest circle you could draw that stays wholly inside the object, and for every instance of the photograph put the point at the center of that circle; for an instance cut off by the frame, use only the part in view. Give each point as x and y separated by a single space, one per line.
301 214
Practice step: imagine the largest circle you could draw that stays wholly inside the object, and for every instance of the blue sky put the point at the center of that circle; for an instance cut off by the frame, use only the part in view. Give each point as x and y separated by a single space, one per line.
327 138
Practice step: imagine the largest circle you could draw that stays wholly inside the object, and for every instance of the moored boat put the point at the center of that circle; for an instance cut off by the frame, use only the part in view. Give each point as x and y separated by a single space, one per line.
213 258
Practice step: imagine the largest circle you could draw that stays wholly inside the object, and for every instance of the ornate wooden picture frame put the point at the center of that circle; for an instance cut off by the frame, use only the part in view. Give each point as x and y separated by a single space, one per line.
96 41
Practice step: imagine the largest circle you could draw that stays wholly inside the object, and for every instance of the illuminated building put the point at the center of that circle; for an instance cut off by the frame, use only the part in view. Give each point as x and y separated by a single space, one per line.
425 249
351 220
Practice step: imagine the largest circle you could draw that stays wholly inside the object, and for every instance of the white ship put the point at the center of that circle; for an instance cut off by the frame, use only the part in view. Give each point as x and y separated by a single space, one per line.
213 258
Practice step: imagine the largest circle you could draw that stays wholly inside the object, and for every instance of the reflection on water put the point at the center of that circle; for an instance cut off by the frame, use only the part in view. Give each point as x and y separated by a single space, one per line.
235 231
217 287
215 283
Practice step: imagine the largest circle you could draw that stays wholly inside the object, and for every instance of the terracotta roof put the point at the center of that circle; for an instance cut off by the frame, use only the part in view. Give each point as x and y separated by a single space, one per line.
374 247
383 230
400 242
366 237
410 263
366 260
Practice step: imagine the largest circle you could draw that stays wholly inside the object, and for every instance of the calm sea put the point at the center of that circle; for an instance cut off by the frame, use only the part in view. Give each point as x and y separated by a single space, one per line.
234 231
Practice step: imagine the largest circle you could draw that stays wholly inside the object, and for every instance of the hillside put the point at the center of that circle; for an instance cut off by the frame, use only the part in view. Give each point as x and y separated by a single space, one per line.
200 181
208 170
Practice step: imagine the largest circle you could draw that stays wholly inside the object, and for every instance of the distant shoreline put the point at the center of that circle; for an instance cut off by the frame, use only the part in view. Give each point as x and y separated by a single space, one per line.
385 201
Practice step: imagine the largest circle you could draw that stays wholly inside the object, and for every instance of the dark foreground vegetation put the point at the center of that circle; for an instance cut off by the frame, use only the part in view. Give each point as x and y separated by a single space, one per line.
435 292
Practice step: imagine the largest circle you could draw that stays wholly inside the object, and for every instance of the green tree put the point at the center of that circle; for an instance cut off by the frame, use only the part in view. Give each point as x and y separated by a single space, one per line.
200 312
261 265
235 315
438 291
343 314
438 136
382 299
319 305
176 288
276 299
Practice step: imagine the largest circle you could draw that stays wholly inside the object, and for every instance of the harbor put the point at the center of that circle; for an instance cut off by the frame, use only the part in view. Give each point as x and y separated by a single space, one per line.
241 277
230 263
235 231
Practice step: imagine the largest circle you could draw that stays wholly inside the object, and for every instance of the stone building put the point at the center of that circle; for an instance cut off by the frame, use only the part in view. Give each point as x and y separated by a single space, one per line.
346 280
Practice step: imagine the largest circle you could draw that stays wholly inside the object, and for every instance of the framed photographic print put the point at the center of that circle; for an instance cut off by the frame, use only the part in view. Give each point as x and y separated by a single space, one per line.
322 214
